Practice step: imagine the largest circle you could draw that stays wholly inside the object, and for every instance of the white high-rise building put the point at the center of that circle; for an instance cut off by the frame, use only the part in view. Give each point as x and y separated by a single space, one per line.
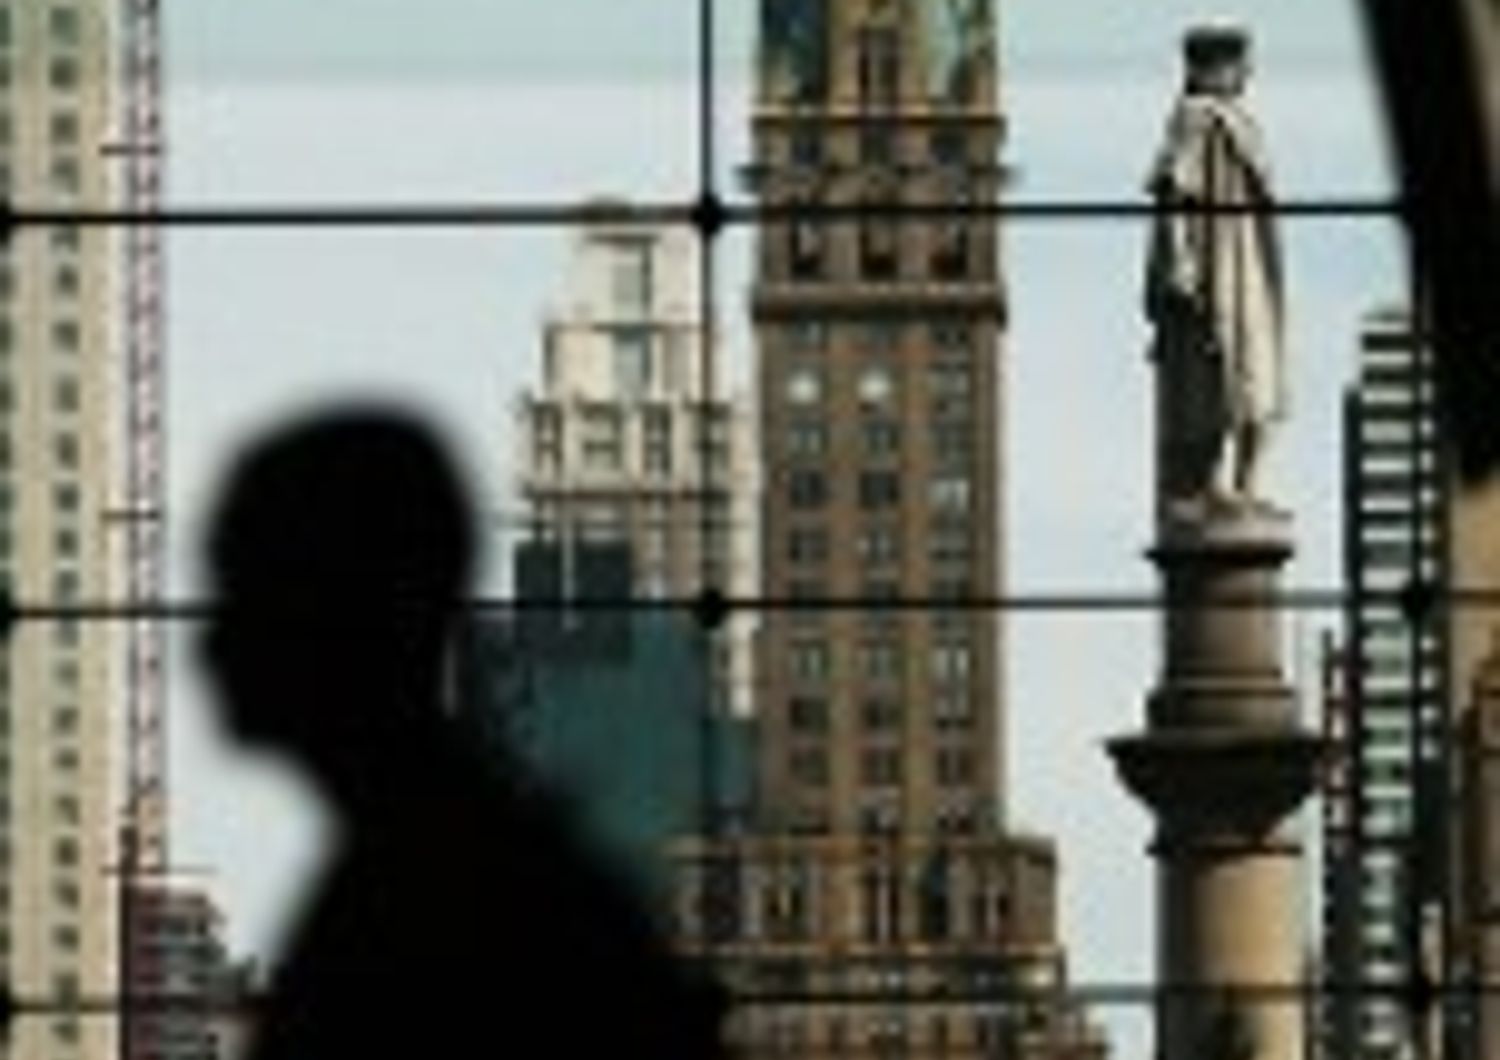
58 459
618 442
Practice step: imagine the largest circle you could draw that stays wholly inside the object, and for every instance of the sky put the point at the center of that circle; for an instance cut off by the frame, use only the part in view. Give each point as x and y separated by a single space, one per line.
375 100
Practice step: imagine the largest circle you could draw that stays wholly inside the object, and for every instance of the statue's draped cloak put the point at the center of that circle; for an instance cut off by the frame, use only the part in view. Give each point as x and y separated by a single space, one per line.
1214 282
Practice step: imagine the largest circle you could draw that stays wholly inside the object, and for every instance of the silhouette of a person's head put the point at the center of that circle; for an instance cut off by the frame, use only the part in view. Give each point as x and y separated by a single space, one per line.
339 552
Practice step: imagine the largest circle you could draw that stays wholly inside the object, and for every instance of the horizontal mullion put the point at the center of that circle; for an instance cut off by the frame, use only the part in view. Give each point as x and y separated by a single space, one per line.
708 212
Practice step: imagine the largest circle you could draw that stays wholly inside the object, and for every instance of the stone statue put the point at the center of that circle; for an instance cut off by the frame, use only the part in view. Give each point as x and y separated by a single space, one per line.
1214 286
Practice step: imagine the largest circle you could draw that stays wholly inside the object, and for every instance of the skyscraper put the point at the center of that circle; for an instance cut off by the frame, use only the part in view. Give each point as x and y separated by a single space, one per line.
1383 869
181 956
877 878
58 482
617 434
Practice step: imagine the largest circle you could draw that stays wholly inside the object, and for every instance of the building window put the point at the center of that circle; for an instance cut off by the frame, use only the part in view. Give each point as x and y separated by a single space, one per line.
877 386
630 278
807 336
66 449
880 661
66 176
65 395
807 714
633 368
877 144
67 238
65 281
950 245
879 58
807 489
955 765
951 710
807 545
546 428
809 766
65 852
952 336
881 767
602 442
950 543
879 489
805 241
879 242
951 662
63 128
807 439
656 441
804 385
62 73
949 493
949 147
65 25
66 335
809 661
880 714
881 438
879 545
805 147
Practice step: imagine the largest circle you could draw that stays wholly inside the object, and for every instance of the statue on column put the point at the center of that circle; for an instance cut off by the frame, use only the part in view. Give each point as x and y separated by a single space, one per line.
1214 288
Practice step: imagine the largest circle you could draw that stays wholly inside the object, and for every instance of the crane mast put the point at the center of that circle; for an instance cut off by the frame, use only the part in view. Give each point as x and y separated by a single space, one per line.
143 833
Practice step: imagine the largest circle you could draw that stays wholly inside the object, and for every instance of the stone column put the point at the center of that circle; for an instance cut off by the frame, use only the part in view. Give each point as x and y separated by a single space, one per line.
1223 764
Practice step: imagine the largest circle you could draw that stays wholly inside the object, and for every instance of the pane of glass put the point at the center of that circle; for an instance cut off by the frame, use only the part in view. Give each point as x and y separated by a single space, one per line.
470 102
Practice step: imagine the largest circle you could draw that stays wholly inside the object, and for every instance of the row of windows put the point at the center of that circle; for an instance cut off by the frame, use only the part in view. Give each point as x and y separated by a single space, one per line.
808 489
67 283
812 660
948 335
812 714
952 441
64 176
66 395
879 253
878 384
64 25
64 73
881 544
879 143
62 128
882 767
791 1034
66 334
933 902
603 439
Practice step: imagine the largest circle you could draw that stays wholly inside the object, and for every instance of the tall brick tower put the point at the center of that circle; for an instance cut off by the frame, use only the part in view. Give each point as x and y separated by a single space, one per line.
877 892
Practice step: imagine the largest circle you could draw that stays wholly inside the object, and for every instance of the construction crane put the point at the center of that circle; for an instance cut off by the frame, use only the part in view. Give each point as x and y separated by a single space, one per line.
140 150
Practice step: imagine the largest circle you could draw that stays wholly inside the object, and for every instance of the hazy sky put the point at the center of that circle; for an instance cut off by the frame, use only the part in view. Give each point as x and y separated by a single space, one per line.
351 100
610 39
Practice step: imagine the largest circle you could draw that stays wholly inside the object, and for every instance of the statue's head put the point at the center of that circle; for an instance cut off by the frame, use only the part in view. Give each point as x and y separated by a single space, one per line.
1217 57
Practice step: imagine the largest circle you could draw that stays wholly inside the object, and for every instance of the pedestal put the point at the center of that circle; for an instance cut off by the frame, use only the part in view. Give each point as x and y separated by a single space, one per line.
1223 765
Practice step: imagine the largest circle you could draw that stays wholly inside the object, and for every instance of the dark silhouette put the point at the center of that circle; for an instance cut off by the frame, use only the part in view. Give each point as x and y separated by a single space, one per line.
459 917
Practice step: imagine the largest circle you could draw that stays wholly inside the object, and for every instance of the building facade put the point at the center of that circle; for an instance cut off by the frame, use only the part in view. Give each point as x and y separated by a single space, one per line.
607 709
1385 699
182 963
59 453
876 903
626 437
